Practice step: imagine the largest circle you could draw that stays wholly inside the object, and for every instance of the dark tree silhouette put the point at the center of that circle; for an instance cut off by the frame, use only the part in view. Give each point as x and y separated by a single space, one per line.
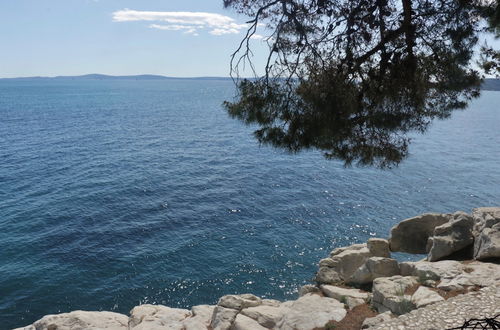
353 77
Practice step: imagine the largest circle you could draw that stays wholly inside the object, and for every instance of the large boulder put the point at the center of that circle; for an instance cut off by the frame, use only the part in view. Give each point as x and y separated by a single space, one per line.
379 247
343 262
79 320
350 297
373 268
411 235
146 317
487 244
485 217
425 296
451 237
389 294
486 232
311 311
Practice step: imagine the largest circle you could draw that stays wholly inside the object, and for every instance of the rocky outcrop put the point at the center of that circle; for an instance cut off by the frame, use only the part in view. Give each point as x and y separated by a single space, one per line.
81 320
389 294
378 247
487 231
453 275
373 268
425 270
411 235
345 261
451 237
312 311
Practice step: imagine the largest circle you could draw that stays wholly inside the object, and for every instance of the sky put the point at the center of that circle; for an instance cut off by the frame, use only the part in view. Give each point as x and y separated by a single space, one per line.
180 38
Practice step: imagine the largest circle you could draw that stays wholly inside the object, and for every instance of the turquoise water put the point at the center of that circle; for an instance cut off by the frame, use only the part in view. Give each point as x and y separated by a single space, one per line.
116 193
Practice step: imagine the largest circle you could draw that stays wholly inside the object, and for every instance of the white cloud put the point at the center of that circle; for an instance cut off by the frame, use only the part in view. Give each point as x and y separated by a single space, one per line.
257 36
189 22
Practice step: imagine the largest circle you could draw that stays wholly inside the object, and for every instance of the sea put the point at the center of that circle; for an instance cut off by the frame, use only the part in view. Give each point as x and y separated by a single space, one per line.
115 193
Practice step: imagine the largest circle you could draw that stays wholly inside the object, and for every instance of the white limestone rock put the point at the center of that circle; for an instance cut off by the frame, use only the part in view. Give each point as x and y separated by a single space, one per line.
311 311
389 294
200 319
488 244
271 302
308 288
328 262
239 301
349 260
426 270
327 275
376 320
373 268
146 317
80 320
453 275
379 247
411 235
353 247
485 217
476 273
223 318
342 293
486 232
451 237
266 316
243 322
344 261
425 296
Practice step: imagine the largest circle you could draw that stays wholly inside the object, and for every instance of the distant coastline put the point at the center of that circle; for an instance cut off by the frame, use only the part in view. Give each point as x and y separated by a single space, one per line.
489 84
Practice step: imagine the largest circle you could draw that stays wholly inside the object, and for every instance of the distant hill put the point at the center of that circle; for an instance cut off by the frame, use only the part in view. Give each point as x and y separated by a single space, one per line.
96 76
491 85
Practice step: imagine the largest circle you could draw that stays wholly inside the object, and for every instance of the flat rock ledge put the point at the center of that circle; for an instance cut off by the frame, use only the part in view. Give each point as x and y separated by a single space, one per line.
459 280
448 314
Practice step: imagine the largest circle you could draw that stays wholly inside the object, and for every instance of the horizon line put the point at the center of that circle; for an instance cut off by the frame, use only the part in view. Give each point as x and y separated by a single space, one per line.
90 75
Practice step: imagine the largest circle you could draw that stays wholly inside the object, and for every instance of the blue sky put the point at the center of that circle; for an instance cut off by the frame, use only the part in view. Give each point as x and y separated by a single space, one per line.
184 38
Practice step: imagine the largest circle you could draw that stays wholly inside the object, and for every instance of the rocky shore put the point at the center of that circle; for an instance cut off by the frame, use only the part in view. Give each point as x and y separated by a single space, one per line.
356 287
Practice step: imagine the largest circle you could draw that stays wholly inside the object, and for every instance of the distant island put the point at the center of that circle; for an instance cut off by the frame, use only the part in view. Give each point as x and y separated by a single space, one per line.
489 84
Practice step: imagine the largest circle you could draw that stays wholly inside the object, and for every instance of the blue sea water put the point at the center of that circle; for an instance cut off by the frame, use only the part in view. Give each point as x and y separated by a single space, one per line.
116 193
